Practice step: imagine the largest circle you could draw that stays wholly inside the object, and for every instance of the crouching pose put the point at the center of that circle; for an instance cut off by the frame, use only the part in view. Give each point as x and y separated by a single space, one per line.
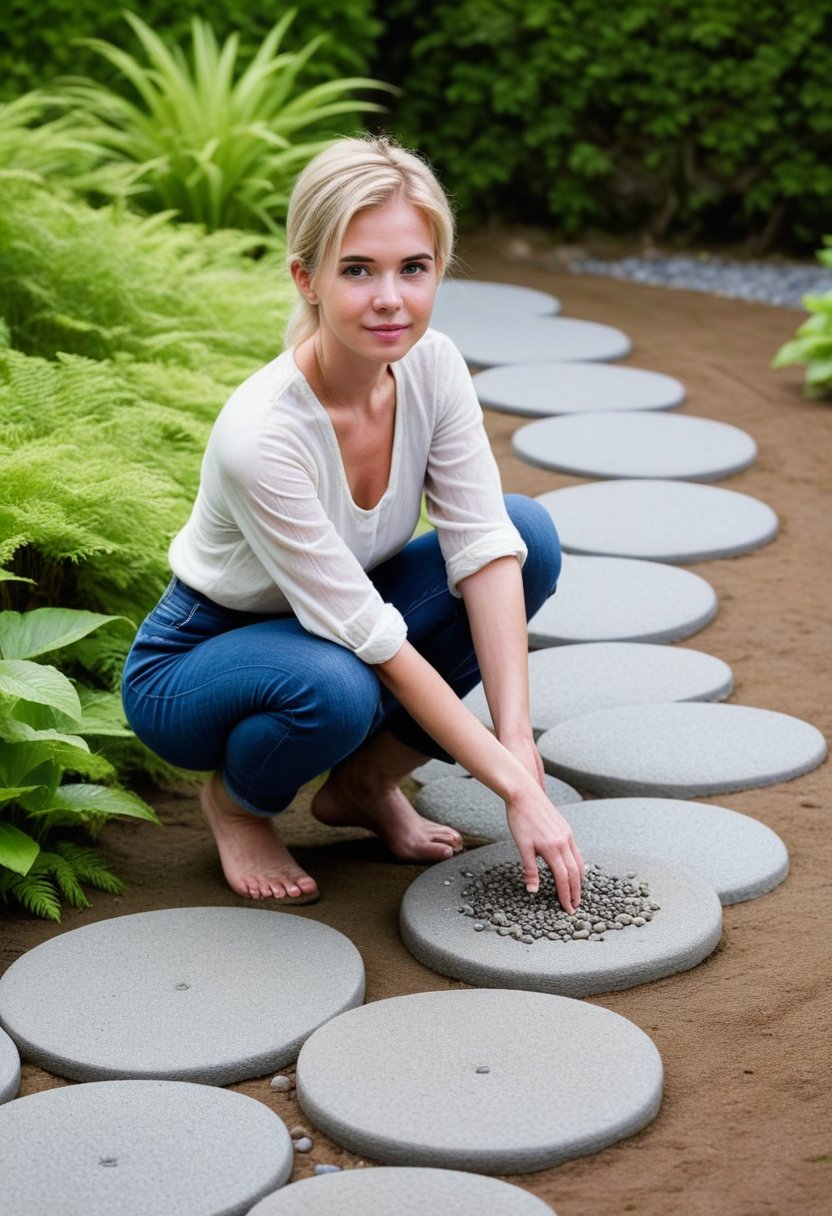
303 630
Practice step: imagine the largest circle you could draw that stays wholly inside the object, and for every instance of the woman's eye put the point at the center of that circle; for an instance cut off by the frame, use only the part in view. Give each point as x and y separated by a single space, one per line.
355 271
414 268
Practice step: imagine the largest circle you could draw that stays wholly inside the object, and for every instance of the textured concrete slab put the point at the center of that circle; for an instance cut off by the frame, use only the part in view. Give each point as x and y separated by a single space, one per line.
126 1148
685 930
457 299
472 808
680 751
487 338
621 599
738 856
197 994
567 681
477 1080
665 521
432 770
403 1190
634 444
575 388
9 1068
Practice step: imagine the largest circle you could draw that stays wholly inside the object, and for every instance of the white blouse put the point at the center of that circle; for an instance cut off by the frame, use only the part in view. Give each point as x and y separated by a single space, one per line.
274 527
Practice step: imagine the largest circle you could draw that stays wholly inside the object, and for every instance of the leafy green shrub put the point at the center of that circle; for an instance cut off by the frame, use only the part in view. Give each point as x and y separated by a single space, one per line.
812 343
212 146
671 114
44 724
39 39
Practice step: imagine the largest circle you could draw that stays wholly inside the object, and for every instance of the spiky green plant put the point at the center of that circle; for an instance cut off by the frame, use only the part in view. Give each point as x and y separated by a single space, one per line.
812 343
214 145
44 724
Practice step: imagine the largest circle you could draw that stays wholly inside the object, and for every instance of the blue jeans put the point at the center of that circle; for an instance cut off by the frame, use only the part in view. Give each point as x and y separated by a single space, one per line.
271 705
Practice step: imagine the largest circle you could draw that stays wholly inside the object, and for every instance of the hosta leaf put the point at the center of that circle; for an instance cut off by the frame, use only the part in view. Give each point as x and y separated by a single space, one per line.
102 800
17 850
26 634
40 683
13 730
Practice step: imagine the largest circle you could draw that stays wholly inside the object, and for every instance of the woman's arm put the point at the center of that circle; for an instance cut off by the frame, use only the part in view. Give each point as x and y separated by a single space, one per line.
536 826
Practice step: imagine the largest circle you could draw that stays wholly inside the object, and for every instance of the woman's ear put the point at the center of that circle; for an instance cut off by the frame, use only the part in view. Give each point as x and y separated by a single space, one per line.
303 281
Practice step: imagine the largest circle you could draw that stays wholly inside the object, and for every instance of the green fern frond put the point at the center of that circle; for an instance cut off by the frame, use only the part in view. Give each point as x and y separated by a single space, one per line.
37 893
90 867
62 872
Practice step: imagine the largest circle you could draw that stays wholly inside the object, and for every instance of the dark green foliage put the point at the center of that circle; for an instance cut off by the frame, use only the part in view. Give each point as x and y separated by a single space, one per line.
38 37
668 114
812 342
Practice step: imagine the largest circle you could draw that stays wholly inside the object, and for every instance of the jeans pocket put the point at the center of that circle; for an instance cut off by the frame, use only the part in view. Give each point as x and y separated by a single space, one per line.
176 608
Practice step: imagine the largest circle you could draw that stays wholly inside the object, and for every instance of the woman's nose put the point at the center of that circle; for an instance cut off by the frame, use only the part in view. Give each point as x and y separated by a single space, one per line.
387 295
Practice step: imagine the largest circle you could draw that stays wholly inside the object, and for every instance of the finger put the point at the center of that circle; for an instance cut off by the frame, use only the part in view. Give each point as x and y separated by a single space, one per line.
531 874
563 884
575 881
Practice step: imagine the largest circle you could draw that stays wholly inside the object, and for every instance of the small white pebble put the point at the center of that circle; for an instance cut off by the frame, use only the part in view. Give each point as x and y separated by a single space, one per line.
327 1169
303 1145
281 1084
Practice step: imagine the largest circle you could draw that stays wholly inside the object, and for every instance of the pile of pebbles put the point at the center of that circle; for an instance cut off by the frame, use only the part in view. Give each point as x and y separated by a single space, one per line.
497 899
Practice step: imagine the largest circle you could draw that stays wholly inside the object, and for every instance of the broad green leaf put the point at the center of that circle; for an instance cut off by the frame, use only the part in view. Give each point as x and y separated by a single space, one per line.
40 683
102 800
6 576
16 793
17 850
12 730
26 634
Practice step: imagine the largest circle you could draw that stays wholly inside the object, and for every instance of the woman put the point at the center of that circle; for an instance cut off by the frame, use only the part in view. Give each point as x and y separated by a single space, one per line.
303 631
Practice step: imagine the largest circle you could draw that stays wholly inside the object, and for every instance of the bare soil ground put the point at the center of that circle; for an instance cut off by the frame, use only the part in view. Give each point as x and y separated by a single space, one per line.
745 1127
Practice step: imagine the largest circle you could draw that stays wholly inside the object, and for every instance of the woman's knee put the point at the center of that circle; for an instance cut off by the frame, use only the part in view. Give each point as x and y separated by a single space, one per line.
543 563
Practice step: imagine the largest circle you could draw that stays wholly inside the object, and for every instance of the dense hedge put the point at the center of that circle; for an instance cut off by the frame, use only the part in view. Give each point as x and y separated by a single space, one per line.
37 37
672 114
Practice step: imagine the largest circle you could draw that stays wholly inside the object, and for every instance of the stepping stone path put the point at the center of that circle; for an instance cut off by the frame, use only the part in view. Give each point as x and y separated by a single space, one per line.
9 1068
575 388
465 1080
404 1191
126 1148
197 994
489 338
472 808
669 521
608 599
636 445
567 681
738 856
680 751
683 932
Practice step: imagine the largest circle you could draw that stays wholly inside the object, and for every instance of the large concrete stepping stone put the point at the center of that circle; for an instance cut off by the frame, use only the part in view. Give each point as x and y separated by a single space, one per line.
9 1068
684 931
495 1082
670 521
472 808
567 681
458 299
680 751
489 338
126 1148
671 446
403 1190
196 994
738 856
608 599
575 388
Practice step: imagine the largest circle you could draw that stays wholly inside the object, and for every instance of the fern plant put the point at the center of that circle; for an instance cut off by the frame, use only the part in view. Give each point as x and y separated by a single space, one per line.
812 343
213 145
44 723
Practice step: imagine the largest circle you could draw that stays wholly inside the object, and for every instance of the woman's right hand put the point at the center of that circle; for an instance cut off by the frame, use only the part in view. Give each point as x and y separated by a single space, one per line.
539 830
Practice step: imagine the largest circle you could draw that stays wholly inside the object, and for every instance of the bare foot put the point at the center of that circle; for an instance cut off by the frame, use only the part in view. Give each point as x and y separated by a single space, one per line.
351 799
255 861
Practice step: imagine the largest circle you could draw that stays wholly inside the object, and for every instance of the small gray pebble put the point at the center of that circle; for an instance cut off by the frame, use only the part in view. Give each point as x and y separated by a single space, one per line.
527 938
478 927
638 921
281 1084
580 935
303 1145
298 1130
483 1068
327 1169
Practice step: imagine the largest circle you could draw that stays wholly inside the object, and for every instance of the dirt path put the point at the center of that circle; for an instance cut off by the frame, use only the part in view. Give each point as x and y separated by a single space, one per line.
745 1127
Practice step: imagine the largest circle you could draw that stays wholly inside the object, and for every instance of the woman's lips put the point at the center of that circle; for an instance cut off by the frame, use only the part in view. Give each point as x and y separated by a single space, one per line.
387 333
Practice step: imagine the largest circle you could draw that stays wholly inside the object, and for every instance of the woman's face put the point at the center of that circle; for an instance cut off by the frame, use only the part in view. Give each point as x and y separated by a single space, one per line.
375 294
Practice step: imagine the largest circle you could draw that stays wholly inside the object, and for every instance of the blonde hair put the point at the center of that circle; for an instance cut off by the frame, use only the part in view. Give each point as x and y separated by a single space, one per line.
349 176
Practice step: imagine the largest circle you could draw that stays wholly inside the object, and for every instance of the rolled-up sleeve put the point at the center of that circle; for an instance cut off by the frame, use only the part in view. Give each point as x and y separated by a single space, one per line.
462 489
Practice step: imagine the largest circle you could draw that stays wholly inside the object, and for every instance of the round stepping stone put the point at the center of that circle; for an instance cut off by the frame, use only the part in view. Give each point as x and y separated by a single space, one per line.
470 807
132 1147
680 751
457 299
738 856
672 446
475 1080
575 388
489 338
567 681
432 770
672 521
407 1191
197 994
9 1068
606 599
686 929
